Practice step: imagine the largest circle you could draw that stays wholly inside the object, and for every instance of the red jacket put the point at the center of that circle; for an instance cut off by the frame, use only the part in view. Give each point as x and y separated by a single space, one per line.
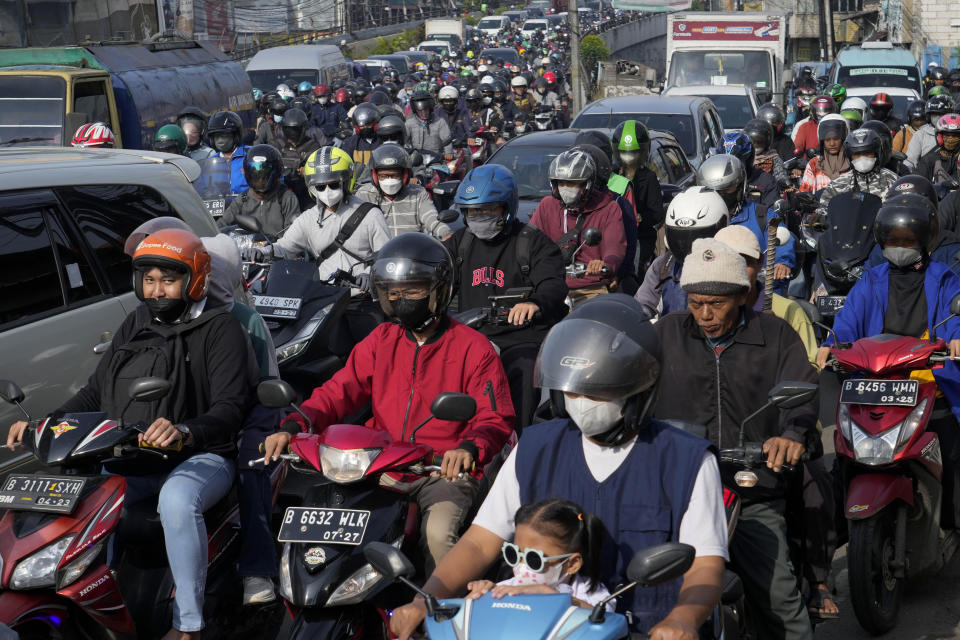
402 379
806 138
602 212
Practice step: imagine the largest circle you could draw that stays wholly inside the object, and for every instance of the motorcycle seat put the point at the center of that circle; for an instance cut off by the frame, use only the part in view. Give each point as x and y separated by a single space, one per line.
140 523
732 588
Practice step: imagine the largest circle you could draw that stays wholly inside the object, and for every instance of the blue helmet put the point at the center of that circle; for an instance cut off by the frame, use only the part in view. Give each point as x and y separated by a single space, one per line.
486 184
304 89
737 143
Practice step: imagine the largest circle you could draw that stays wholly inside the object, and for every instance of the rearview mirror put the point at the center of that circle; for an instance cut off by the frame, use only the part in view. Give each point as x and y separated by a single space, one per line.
790 395
661 563
275 394
448 216
899 156
811 153
592 236
388 561
11 392
249 223
455 407
149 389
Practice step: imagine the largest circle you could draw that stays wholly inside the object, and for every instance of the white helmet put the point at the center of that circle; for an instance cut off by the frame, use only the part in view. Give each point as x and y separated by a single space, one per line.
830 117
518 81
285 92
448 92
854 103
482 68
698 212
487 79
545 61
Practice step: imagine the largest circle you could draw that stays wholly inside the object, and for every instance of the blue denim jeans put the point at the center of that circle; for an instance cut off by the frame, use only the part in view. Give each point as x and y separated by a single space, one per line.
194 486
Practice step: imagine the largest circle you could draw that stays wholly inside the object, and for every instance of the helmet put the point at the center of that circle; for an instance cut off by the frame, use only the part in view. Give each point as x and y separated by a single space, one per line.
938 106
821 106
473 99
178 250
294 125
499 90
170 139
365 117
575 166
854 103
93 135
321 90
739 145
448 93
916 110
408 259
392 75
938 73
550 77
392 129
631 136
545 61
262 167
910 211
518 81
284 91
698 212
886 140
304 88
598 139
225 129
880 106
422 101
761 134
832 126
487 184
949 123
720 173
838 92
938 90
600 158
277 106
853 118
326 165
300 102
195 115
772 114
486 90
342 96
379 98
390 156
391 90
360 94
914 184
863 140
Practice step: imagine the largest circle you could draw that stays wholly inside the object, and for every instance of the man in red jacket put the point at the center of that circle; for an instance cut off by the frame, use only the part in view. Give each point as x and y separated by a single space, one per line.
401 367
578 203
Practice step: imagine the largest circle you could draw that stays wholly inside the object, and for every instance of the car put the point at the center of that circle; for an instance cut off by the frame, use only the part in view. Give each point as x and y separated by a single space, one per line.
453 41
374 67
536 12
693 121
736 104
493 25
398 61
517 16
504 54
901 98
437 47
530 27
529 157
66 282
420 55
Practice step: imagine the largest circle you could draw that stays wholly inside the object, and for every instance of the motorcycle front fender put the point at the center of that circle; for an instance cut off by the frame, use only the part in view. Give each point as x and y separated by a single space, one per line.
869 493
17 608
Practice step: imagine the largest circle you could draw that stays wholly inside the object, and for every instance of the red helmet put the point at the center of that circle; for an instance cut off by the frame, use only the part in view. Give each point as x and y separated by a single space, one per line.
93 135
821 106
321 90
342 96
178 250
949 123
550 77
881 100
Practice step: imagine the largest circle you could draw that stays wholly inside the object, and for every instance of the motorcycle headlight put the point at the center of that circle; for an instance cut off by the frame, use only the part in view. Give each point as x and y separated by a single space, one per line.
304 336
346 465
855 273
77 568
910 424
355 588
844 421
286 584
874 450
40 569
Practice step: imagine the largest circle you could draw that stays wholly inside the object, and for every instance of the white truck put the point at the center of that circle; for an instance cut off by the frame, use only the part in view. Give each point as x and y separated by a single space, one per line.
721 49
444 26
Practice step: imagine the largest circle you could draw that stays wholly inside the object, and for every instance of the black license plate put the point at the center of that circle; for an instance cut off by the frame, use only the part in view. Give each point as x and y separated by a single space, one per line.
54 494
830 305
897 393
278 307
215 207
331 526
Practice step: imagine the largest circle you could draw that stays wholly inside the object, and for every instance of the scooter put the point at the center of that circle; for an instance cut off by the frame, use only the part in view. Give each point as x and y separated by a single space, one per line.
327 583
892 467
533 617
57 526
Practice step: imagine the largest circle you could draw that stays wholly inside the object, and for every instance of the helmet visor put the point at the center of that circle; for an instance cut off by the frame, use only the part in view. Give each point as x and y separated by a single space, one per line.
401 278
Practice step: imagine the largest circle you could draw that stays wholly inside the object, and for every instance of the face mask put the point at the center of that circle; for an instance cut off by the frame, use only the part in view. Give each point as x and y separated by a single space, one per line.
323 101
569 195
902 256
278 119
485 227
629 158
166 310
487 100
520 128
223 142
864 165
412 314
552 577
391 186
330 197
594 417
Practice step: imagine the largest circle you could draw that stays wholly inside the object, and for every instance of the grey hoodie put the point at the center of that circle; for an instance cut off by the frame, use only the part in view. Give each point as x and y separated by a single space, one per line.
923 141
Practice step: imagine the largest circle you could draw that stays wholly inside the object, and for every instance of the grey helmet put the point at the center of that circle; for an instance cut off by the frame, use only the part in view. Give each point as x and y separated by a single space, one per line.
573 165
721 172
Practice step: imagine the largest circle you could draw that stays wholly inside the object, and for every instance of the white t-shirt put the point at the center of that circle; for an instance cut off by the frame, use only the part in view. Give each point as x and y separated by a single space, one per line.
703 526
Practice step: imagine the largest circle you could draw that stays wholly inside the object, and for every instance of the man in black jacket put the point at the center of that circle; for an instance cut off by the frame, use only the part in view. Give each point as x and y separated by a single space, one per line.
723 358
268 199
495 254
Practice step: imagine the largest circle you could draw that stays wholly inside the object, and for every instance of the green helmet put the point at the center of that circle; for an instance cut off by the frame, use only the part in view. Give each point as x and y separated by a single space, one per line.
853 117
170 139
938 91
631 143
466 73
838 92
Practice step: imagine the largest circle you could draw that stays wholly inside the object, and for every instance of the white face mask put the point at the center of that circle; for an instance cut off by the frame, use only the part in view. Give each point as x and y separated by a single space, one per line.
391 186
629 158
330 197
552 577
864 165
594 417
323 100
569 195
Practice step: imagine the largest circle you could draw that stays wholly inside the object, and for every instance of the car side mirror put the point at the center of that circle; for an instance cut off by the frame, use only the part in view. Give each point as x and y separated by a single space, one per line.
592 236
275 394
455 407
448 216
249 223
149 389
661 563
11 392
790 395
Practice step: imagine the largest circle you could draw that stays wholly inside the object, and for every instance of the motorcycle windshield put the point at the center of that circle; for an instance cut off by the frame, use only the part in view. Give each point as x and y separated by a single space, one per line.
848 239
214 180
291 278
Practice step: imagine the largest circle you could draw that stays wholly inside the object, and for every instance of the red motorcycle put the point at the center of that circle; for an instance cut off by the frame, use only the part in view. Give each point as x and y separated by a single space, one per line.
892 468
57 526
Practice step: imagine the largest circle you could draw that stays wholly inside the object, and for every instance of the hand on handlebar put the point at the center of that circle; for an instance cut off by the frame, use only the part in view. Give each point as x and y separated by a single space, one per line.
274 445
15 435
669 629
781 272
522 312
823 354
256 253
955 348
160 434
455 461
595 268
782 450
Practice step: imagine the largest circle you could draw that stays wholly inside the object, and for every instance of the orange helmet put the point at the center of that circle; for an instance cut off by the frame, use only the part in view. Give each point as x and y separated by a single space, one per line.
178 250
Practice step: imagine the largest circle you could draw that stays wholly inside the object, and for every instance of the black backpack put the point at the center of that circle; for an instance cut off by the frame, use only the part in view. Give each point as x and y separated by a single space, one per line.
522 247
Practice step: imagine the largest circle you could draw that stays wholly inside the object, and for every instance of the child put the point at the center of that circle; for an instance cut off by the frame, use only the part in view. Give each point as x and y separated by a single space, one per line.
556 549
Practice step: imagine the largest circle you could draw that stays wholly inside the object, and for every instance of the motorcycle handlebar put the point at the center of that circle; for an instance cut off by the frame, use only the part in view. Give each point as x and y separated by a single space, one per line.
290 457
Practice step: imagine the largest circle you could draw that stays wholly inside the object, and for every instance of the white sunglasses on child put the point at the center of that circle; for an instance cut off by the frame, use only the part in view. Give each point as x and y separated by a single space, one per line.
533 558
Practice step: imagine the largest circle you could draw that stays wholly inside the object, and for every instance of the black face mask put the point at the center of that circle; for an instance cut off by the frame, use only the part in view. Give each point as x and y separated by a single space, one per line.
166 310
224 144
413 314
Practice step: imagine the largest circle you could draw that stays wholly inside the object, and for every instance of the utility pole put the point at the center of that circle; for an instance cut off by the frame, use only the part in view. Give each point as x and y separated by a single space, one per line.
347 9
573 19
828 19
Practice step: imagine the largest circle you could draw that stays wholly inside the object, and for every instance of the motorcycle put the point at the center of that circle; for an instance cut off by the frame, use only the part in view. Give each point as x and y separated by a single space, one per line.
591 238
538 616
57 526
328 584
892 467
543 119
213 185
479 145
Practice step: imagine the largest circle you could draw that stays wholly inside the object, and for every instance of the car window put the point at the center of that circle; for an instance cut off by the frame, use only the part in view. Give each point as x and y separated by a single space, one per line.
717 125
659 167
530 165
676 163
106 214
91 98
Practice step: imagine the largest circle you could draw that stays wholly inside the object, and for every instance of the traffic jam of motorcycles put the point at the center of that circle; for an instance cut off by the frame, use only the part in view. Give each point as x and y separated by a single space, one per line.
452 343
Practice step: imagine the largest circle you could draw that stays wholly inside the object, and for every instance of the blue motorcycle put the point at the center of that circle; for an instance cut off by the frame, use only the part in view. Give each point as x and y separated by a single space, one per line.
533 617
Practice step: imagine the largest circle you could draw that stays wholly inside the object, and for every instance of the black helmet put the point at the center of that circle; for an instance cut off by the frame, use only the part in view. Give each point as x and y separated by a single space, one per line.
421 100
500 91
761 134
380 98
598 139
195 115
938 106
916 110
409 260
773 115
909 211
301 102
277 107
262 167
863 140
938 73
600 159
360 93
391 128
914 184
365 117
294 125
225 129
390 156
886 140
391 89
474 99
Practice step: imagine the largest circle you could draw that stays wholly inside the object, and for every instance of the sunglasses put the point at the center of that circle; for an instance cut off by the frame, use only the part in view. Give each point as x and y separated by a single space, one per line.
328 185
533 558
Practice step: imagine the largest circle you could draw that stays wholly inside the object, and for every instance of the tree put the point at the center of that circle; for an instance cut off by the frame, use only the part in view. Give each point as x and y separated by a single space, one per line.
593 50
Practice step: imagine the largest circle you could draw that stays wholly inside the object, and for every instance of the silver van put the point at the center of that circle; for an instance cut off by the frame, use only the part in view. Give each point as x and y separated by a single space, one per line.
291 65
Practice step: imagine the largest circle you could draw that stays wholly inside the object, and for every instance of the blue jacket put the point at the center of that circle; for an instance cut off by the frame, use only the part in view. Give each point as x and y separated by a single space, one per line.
863 312
328 118
238 182
747 216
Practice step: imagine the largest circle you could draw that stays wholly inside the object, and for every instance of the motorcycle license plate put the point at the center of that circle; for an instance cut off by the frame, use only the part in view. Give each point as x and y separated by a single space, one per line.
215 207
331 526
898 393
830 305
277 307
53 494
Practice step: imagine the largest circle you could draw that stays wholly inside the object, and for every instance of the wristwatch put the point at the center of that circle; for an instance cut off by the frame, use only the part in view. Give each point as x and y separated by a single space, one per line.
184 430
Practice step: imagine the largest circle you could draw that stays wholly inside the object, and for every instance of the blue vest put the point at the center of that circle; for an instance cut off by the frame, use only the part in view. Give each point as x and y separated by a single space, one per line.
671 295
641 503
238 182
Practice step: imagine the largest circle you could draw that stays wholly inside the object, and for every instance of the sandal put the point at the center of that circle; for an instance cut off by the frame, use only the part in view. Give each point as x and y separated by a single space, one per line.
817 604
